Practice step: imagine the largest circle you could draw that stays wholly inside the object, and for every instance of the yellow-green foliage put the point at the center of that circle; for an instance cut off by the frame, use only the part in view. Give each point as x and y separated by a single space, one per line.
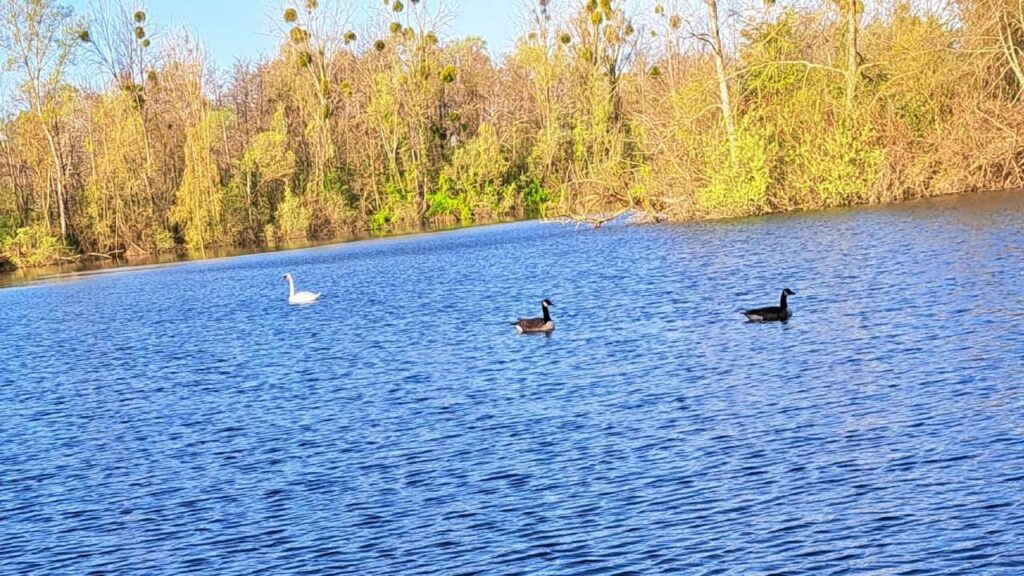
593 135
397 211
836 167
269 155
200 197
8 219
292 218
444 201
473 183
266 169
738 186
31 246
825 155
382 116
913 68
544 62
769 52
116 198
549 149
163 240
333 136
603 164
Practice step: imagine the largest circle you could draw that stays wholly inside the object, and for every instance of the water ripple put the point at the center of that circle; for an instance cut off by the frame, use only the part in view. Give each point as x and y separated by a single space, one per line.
186 420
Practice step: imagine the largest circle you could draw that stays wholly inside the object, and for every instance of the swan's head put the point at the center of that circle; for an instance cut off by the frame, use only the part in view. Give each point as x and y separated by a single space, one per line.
546 303
788 292
286 277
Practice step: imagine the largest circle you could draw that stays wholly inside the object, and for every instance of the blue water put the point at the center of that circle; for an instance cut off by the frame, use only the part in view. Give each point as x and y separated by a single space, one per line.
185 419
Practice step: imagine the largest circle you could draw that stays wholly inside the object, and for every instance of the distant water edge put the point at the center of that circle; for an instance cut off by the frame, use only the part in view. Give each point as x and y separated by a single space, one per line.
10 276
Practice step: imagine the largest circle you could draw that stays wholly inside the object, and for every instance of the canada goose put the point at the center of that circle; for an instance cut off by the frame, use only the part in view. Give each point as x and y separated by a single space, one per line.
298 297
772 313
526 325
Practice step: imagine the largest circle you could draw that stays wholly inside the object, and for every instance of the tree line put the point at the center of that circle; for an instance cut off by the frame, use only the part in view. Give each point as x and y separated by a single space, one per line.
674 109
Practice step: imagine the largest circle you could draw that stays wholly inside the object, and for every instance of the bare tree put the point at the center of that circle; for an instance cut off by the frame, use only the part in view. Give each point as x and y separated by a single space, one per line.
38 37
852 10
723 83
118 39
317 34
20 200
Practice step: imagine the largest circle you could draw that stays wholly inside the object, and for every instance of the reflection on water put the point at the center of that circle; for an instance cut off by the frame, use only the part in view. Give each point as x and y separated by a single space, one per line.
185 419
87 266
71 270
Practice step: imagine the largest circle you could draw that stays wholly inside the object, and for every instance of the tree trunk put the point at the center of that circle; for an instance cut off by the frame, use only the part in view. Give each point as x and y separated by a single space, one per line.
723 84
58 167
21 203
149 153
1011 50
853 23
249 203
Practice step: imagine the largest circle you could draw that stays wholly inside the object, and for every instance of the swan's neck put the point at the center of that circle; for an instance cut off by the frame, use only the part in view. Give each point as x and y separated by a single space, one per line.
547 314
291 287
783 303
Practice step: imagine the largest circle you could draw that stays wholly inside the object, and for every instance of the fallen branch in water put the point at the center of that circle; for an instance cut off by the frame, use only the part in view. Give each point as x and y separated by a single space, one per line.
79 257
596 220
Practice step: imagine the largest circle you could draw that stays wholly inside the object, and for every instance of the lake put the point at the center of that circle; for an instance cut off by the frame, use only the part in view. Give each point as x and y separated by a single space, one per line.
185 419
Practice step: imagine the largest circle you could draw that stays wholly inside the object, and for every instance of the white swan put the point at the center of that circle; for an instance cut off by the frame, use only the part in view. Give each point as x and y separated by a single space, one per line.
299 297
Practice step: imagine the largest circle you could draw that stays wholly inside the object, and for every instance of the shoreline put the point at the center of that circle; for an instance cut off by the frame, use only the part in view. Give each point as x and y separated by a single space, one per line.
20 277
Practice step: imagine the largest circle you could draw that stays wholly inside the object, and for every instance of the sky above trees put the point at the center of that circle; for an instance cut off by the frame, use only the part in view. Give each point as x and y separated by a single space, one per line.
233 29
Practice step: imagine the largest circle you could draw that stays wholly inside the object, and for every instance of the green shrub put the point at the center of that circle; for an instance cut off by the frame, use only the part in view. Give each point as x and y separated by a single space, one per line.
380 220
32 246
443 202
739 186
292 218
473 184
535 197
838 167
8 226
163 240
336 184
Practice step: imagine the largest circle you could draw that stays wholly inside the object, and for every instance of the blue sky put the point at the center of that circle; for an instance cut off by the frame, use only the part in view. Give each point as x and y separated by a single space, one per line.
239 28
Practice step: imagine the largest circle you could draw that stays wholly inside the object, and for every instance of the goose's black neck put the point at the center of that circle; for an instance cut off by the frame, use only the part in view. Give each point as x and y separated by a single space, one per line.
782 302
547 314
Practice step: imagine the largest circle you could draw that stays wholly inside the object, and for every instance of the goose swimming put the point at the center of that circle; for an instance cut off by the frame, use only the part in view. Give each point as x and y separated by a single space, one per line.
298 297
534 325
772 313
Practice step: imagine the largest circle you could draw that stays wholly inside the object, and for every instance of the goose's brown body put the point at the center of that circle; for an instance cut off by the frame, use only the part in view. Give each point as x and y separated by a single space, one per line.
779 313
544 324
